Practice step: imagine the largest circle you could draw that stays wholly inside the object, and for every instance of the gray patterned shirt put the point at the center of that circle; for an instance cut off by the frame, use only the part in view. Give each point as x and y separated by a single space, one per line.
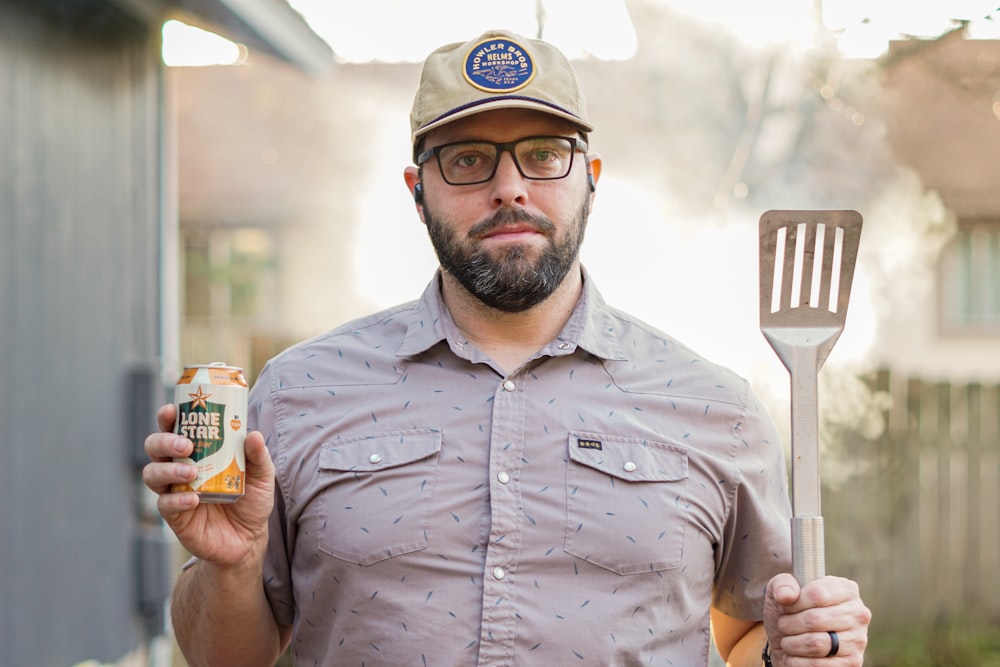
586 509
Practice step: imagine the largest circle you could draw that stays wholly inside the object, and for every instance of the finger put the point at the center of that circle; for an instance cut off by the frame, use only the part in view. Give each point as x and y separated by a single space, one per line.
826 591
167 446
819 644
172 505
166 416
838 617
160 476
829 592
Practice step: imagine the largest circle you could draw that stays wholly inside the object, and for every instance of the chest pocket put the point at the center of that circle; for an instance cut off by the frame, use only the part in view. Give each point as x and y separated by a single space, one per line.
626 502
376 496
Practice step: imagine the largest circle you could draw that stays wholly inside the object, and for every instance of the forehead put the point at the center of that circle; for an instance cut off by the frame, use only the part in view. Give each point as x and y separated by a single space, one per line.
500 125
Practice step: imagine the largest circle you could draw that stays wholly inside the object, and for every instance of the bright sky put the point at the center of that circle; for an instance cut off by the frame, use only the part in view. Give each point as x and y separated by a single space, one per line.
596 28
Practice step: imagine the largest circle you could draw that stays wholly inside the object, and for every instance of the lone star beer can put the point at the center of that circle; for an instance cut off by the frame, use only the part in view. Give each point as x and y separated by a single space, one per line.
211 402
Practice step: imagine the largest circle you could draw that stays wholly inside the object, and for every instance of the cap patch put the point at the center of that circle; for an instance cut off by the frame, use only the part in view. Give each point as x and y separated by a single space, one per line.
499 65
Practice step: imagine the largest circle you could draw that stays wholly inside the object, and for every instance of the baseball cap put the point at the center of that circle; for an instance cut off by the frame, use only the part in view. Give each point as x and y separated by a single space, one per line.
498 70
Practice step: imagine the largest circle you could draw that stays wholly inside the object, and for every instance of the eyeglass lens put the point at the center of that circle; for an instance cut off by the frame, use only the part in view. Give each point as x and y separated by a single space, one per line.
536 157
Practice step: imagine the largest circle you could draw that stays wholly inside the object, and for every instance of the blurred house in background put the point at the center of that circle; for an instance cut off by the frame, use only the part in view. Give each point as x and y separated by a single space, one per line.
942 112
929 497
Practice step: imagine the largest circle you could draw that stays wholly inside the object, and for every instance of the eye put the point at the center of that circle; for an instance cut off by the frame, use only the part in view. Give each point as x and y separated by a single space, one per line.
467 160
543 155
471 158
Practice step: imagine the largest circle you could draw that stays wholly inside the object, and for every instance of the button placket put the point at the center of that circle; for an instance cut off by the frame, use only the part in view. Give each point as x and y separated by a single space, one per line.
506 526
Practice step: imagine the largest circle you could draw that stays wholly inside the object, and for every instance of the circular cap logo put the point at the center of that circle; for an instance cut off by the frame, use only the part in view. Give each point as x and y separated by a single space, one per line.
499 65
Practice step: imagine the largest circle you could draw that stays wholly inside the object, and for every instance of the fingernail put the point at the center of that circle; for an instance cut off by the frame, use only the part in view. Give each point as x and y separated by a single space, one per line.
180 445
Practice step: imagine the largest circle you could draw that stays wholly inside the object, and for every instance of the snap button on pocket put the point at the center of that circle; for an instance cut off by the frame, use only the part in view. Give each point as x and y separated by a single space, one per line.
626 501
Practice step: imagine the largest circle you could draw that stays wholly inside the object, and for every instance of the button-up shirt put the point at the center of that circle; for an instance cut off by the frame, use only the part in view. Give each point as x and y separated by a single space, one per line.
587 508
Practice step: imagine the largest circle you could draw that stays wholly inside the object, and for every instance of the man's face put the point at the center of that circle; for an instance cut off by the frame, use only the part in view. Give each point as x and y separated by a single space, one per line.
510 241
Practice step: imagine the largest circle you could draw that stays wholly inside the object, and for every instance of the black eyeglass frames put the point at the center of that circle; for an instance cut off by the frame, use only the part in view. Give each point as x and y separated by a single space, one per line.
536 158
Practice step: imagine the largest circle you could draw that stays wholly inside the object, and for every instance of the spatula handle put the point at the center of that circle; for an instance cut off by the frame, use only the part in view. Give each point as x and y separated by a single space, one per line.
808 550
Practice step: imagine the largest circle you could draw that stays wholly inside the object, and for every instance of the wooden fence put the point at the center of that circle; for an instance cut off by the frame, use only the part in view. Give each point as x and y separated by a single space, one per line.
917 518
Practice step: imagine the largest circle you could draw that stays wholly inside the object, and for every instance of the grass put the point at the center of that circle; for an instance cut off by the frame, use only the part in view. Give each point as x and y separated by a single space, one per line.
952 642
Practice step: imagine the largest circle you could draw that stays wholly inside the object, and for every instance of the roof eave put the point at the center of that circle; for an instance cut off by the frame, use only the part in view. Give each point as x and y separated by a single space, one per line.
272 26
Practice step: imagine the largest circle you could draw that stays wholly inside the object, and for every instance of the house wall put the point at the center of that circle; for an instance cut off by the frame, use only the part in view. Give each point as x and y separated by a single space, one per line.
940 101
80 198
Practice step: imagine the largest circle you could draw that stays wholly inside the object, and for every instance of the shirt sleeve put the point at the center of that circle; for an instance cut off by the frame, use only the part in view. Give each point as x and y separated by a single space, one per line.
277 560
757 542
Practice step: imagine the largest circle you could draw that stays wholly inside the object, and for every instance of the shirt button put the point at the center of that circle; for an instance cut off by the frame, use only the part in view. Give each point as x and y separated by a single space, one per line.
498 573
630 466
503 478
375 458
563 346
508 385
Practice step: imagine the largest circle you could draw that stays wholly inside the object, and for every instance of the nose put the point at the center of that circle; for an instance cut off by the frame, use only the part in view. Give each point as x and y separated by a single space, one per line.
508 185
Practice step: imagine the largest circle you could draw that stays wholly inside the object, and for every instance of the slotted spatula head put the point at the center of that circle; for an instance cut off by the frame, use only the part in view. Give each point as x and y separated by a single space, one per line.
806 269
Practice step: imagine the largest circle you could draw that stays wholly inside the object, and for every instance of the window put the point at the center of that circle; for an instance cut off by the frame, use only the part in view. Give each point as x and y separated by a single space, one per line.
227 273
970 279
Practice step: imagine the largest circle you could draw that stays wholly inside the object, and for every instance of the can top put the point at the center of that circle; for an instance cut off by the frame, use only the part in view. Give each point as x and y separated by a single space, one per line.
218 373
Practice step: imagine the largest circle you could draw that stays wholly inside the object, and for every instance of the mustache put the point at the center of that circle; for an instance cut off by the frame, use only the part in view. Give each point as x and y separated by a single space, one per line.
507 216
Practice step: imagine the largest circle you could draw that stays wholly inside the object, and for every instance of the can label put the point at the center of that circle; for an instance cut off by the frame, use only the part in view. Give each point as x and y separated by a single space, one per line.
211 402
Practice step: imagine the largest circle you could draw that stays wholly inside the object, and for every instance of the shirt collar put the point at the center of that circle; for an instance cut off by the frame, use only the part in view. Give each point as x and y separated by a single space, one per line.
592 326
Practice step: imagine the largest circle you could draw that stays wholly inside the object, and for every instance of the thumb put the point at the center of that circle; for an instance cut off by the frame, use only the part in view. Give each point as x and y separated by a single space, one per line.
784 589
258 458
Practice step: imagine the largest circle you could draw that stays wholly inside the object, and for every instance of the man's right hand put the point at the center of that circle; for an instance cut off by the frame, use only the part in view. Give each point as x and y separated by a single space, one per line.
225 534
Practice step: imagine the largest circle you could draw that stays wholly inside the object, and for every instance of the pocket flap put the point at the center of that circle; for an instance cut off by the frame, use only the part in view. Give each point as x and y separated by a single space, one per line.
380 451
630 459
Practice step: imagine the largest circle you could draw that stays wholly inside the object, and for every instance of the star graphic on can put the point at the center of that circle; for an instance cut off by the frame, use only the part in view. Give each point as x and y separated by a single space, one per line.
199 399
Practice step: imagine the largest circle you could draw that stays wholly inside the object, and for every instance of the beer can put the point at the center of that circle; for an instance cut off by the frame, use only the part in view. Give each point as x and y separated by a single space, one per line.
211 402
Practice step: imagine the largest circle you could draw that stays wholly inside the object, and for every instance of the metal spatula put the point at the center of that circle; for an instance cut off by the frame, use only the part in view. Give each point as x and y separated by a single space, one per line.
806 268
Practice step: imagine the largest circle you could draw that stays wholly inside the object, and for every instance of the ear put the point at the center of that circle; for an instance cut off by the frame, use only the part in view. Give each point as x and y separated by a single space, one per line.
412 177
593 170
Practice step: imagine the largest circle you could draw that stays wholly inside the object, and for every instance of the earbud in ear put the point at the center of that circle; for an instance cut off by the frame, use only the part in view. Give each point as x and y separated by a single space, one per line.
418 193
590 180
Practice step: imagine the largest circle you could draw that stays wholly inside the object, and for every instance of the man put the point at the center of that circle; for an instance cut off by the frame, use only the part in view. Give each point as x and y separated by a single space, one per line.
506 471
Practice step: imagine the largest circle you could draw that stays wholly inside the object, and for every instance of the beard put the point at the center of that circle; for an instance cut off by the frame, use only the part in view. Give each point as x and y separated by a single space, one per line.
510 282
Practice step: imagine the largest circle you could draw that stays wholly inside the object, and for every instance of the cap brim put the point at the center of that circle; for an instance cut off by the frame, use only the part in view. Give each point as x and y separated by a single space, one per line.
503 103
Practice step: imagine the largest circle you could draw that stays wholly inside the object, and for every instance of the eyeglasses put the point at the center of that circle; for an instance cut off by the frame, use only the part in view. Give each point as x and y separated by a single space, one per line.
536 158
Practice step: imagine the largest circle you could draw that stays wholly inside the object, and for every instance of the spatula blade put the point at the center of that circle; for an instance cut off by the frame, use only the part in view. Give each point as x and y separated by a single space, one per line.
807 261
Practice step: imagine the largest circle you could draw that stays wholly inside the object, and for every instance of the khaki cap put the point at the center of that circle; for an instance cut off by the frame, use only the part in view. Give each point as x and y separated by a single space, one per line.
498 70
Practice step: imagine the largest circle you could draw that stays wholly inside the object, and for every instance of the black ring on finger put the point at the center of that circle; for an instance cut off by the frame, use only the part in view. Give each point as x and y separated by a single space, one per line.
834 644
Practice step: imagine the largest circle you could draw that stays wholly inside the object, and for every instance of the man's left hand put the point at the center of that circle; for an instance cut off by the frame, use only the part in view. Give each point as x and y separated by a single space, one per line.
822 623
